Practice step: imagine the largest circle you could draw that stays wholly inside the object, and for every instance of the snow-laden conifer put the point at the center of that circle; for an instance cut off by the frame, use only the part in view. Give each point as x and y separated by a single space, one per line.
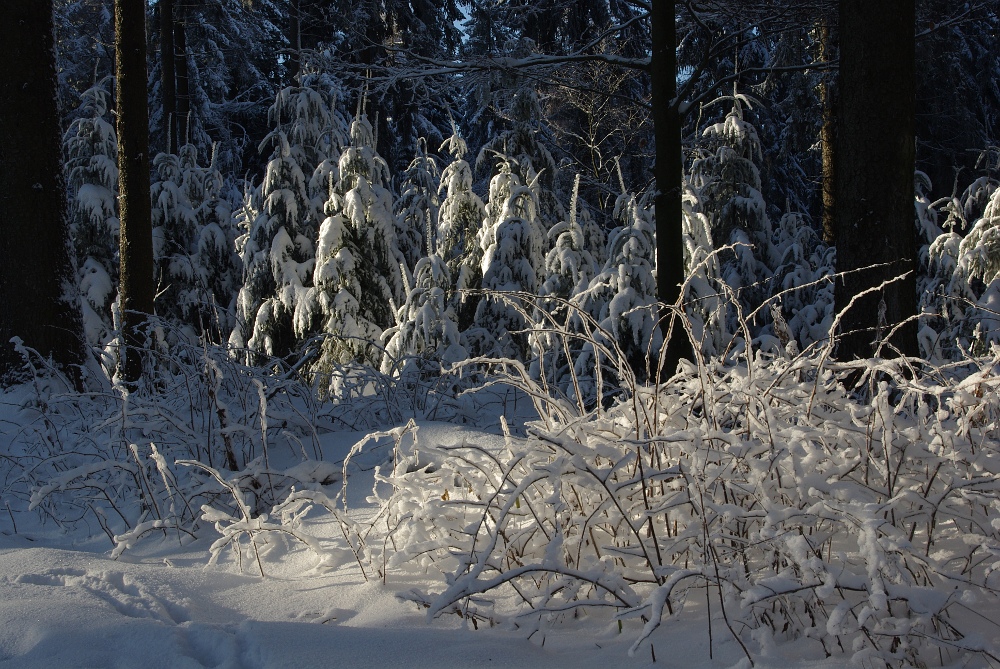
359 274
510 246
569 267
727 180
418 199
282 217
426 332
193 244
621 299
521 141
91 153
459 222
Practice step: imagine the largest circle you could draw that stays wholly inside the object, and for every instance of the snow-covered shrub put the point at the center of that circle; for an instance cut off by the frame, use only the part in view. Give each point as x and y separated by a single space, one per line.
758 487
90 147
104 460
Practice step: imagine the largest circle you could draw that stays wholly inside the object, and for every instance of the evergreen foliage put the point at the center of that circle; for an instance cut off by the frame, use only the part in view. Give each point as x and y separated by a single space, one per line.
510 248
359 275
194 245
281 220
90 149
460 220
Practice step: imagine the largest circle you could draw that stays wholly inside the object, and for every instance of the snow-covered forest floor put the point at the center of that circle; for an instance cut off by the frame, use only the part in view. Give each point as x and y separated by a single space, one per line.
749 511
64 602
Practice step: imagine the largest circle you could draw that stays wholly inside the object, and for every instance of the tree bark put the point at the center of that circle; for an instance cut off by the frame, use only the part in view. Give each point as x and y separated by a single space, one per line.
136 244
38 288
828 133
874 178
168 85
294 41
182 77
669 174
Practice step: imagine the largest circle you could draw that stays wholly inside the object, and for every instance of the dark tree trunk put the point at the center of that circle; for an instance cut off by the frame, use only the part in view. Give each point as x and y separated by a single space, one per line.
136 250
181 75
168 85
38 292
828 133
669 173
294 40
874 182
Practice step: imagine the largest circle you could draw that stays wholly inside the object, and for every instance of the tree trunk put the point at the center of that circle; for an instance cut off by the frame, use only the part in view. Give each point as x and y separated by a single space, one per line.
168 85
294 41
183 81
669 173
136 249
874 182
37 282
828 133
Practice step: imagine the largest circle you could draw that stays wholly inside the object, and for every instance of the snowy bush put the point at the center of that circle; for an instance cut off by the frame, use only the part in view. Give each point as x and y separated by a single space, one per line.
105 460
759 489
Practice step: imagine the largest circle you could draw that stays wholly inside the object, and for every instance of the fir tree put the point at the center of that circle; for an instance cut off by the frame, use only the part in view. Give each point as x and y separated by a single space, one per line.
194 244
510 247
459 222
90 149
426 334
621 299
569 267
726 180
418 202
359 270
282 218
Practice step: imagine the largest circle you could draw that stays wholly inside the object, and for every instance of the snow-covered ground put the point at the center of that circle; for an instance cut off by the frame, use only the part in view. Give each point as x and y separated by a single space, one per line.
834 565
64 602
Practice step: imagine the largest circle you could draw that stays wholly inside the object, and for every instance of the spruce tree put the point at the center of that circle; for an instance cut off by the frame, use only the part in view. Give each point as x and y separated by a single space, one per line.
90 149
509 249
281 219
359 276
459 222
426 335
